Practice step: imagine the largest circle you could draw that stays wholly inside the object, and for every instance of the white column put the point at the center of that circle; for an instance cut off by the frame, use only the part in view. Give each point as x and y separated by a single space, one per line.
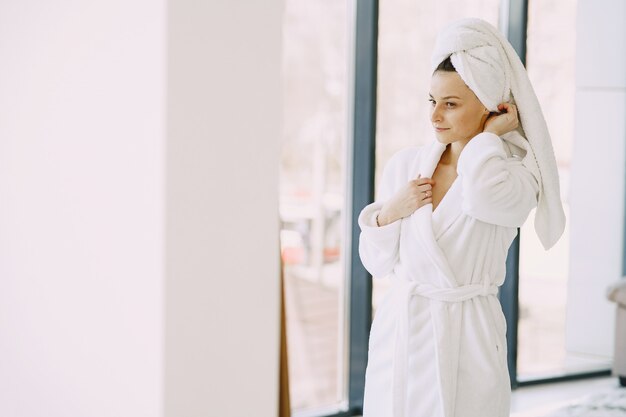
82 99
139 256
222 262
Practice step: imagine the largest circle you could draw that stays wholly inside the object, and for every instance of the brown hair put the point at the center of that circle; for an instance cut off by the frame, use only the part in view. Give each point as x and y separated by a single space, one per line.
445 65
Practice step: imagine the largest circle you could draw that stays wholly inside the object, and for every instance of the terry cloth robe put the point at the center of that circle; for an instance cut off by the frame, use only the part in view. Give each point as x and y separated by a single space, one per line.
437 345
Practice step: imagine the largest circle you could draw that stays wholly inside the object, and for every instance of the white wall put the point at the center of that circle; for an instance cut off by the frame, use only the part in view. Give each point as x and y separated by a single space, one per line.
138 208
222 218
598 172
81 207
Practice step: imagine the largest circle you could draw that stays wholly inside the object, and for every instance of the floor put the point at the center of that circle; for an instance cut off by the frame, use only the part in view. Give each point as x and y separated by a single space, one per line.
540 400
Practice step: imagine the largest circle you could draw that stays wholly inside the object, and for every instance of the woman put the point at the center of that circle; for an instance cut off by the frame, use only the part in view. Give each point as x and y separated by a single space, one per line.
445 217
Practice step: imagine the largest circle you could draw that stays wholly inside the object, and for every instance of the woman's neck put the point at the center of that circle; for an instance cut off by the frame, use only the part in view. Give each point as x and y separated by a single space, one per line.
452 152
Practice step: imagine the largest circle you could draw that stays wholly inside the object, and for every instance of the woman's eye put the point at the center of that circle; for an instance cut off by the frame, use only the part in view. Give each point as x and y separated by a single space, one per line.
449 103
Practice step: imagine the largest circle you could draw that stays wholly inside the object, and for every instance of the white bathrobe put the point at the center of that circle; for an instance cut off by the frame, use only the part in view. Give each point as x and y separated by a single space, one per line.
437 345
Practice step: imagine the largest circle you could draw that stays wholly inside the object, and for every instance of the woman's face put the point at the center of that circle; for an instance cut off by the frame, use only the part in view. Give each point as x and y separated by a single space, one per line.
455 107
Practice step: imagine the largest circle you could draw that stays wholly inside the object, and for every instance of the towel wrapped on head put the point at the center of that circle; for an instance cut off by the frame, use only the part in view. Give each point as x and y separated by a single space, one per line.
488 64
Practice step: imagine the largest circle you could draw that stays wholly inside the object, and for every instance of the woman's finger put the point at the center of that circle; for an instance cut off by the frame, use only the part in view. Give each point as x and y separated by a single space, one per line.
422 181
426 201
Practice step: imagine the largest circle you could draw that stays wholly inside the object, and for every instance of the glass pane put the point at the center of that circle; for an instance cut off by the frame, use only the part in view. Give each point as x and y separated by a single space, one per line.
313 197
544 275
407 32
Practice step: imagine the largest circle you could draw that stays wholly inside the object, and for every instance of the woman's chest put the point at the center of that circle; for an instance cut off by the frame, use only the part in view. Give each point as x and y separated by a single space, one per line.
444 176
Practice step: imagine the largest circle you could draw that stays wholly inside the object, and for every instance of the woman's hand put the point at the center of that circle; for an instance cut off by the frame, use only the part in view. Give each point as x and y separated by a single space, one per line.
504 122
415 194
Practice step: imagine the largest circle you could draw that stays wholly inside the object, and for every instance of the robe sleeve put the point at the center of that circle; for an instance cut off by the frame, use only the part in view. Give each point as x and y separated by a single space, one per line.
378 246
497 189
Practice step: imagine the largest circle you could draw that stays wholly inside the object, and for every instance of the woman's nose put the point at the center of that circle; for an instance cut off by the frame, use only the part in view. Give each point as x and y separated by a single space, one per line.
435 115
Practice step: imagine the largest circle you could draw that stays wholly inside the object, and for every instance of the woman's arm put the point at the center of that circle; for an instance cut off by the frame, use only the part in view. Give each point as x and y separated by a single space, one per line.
378 245
497 189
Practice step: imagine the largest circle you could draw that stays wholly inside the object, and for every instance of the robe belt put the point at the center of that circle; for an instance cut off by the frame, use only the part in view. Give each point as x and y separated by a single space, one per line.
412 288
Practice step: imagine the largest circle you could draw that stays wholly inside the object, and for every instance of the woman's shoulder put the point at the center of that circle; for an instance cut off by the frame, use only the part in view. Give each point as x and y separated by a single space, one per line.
405 157
401 166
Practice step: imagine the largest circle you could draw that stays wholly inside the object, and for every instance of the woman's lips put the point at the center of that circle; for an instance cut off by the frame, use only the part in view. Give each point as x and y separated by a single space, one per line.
440 129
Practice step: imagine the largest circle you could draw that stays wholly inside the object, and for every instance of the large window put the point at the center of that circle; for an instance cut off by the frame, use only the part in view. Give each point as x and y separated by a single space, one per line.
313 195
322 84
547 346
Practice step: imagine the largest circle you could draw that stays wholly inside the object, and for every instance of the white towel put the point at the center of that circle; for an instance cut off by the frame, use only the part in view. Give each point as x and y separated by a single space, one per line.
491 68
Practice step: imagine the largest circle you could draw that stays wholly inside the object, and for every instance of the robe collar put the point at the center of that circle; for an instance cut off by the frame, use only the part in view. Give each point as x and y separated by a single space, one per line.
422 219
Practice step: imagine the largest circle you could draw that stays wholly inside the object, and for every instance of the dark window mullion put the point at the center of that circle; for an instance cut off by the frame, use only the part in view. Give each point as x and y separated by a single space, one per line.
363 170
516 33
